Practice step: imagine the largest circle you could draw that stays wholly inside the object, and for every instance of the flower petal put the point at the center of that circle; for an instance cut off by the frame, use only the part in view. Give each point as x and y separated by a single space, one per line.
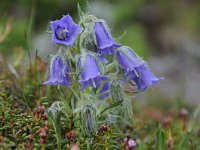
105 41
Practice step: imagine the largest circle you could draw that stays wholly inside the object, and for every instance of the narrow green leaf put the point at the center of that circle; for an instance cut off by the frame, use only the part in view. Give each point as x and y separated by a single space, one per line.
142 146
80 12
112 106
160 139
183 144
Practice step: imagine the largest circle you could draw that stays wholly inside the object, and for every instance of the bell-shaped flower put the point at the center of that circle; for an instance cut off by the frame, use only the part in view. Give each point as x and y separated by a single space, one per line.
105 41
64 31
136 69
58 72
90 73
143 77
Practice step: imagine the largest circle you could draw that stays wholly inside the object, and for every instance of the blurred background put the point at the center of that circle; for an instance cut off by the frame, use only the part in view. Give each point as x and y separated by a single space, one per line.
165 33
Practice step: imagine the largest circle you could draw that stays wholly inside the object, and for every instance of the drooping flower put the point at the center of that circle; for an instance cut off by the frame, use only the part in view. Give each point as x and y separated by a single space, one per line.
58 73
64 31
104 92
136 69
143 77
90 74
105 41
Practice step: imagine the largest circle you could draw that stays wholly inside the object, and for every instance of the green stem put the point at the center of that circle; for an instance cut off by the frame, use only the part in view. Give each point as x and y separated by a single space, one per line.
58 137
56 126
75 94
58 141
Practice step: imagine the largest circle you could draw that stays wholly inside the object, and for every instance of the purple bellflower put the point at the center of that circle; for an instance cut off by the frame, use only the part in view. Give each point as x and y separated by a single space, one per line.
90 74
58 73
144 77
136 69
105 41
64 31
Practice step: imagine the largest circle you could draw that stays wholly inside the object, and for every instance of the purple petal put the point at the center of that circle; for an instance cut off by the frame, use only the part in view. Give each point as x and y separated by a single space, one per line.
128 62
90 74
105 41
58 72
64 31
144 77
102 59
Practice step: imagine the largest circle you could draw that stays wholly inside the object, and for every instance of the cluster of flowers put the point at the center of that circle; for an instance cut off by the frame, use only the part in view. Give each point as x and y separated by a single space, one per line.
96 45
43 135
71 136
40 115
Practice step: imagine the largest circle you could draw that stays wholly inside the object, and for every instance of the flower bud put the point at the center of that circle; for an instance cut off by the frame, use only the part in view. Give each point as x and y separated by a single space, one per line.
167 122
44 117
103 129
88 41
183 113
129 143
42 141
89 119
42 133
71 135
116 91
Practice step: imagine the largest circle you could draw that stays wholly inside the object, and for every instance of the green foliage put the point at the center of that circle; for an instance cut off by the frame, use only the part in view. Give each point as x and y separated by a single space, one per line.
21 93
18 122
160 139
